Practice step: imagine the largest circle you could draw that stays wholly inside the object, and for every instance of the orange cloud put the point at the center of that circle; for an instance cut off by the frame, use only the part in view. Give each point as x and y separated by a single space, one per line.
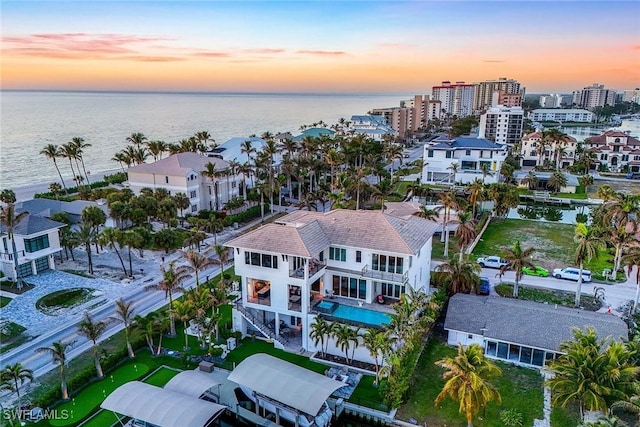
323 52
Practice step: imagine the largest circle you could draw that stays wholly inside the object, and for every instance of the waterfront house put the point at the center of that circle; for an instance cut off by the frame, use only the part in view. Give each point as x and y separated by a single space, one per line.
36 240
335 264
616 151
461 159
73 209
531 156
522 332
314 133
184 173
374 127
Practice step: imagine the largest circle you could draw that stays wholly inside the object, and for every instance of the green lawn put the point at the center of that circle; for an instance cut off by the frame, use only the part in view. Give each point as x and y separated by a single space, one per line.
366 394
4 301
161 376
520 388
80 406
546 296
250 347
177 343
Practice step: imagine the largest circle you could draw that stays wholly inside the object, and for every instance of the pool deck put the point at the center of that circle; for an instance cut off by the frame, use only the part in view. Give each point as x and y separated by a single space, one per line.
384 308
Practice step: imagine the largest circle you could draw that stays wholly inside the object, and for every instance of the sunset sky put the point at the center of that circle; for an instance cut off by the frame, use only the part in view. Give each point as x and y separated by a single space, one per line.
324 46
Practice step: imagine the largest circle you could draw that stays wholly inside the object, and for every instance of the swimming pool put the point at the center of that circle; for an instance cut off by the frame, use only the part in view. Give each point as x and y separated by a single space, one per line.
353 315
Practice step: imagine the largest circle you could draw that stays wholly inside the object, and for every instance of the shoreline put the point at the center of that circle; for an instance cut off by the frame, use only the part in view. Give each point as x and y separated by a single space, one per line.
26 192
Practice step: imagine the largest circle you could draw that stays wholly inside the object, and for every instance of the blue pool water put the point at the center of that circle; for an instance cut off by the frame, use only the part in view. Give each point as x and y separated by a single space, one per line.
361 315
326 306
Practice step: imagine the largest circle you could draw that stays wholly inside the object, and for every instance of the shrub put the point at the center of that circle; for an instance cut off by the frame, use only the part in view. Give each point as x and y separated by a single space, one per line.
248 215
511 417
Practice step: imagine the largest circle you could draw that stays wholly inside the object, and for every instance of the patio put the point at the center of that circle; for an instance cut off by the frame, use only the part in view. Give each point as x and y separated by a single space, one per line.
351 380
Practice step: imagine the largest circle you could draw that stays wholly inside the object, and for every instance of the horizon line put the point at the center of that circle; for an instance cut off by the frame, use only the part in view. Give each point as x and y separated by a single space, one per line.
206 92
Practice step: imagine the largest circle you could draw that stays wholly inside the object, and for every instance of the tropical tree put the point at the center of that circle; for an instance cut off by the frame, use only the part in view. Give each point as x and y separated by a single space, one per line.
181 201
125 313
52 152
449 201
10 220
557 181
344 335
467 380
198 262
427 213
80 145
530 180
145 326
184 310
58 353
458 277
161 323
171 282
86 235
632 263
378 344
593 373
588 245
92 330
465 231
518 259
14 374
110 237
476 194
320 330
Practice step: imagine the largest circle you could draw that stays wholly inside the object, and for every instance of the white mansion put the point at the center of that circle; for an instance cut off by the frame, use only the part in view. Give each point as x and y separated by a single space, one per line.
183 173
337 265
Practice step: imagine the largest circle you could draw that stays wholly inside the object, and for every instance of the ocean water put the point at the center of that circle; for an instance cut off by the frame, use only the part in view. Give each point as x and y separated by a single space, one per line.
30 120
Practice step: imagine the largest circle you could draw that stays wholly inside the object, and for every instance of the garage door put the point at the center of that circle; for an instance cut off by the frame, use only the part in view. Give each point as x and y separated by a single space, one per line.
528 163
42 264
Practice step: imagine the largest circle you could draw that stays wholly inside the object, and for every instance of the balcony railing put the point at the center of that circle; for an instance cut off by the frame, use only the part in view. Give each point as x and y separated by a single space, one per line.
385 275
8 256
313 267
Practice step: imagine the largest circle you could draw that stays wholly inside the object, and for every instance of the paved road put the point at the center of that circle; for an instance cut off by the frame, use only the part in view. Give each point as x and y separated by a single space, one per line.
615 294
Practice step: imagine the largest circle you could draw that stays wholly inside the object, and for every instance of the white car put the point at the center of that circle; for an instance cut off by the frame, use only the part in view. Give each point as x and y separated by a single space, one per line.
492 262
571 273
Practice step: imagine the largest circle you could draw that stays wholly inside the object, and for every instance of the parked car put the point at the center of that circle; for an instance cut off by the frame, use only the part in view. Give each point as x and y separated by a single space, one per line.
492 262
571 273
484 288
536 270
633 175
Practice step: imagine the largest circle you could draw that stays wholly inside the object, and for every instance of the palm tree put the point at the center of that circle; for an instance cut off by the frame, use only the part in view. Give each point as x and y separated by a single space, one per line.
344 338
10 220
58 353
592 372
52 152
145 326
156 148
12 374
161 323
518 259
467 377
606 192
110 237
378 344
465 231
588 244
92 330
137 139
556 182
171 282
428 214
69 151
319 331
184 310
382 191
223 257
530 180
449 201
248 149
80 146
459 277
86 235
198 262
125 313
632 260
476 194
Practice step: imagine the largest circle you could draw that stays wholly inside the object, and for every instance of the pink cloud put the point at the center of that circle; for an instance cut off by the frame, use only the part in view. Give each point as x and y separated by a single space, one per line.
322 52
264 51
211 54
78 45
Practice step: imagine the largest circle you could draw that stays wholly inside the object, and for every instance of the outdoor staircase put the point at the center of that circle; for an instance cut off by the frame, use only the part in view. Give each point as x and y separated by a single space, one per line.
264 329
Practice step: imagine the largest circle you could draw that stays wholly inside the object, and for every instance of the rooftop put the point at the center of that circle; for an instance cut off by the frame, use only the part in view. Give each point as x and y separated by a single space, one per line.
179 164
527 323
442 142
33 224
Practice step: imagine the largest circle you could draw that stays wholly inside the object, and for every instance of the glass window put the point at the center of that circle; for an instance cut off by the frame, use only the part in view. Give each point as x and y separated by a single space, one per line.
255 258
362 294
514 352
343 254
448 154
36 244
538 357
430 153
358 256
492 348
503 349
247 258
374 262
525 355
4 243
266 260
336 285
383 263
353 288
392 264
344 286
321 256
399 269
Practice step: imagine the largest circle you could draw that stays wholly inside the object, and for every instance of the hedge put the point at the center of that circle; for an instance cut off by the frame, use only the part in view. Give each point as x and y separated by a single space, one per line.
116 178
248 215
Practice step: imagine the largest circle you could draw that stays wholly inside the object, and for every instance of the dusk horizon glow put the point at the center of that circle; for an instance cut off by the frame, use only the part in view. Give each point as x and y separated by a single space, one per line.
317 47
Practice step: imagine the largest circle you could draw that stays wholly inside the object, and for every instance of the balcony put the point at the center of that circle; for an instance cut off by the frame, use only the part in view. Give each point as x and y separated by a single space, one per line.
385 276
8 256
314 267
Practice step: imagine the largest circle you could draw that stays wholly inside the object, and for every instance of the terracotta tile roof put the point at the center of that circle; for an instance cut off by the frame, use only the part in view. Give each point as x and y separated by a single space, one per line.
305 233
180 164
533 135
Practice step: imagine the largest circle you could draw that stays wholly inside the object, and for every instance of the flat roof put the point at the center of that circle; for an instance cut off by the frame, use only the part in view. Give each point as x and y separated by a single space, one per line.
285 382
164 408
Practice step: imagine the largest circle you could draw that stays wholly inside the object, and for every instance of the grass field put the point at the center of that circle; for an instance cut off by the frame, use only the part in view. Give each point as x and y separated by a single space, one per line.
4 301
520 388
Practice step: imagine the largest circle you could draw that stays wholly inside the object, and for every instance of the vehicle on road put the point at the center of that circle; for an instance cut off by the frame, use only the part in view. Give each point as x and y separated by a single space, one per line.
492 262
536 270
484 288
633 175
571 273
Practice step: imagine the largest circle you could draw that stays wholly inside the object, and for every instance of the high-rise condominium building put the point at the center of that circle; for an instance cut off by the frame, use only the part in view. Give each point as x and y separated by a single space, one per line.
410 116
456 99
594 96
551 101
483 92
502 125
631 95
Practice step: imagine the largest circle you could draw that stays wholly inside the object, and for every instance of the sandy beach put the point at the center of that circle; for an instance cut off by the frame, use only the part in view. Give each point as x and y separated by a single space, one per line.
26 192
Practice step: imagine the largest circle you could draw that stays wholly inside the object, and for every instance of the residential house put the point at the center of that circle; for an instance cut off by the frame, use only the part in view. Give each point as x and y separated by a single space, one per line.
36 240
374 127
467 155
616 151
543 179
518 331
314 133
48 207
335 265
530 154
184 173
